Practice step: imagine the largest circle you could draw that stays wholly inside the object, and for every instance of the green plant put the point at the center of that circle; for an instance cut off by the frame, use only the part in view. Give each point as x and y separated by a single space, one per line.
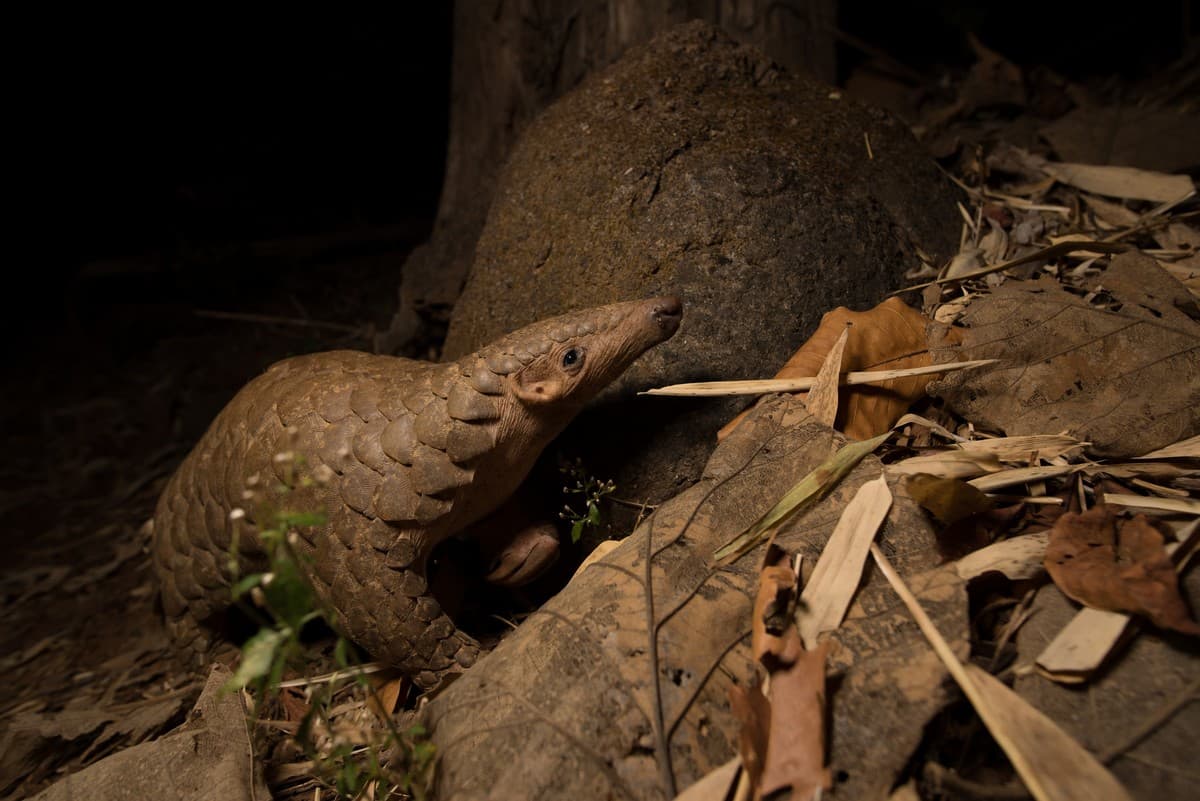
353 761
590 491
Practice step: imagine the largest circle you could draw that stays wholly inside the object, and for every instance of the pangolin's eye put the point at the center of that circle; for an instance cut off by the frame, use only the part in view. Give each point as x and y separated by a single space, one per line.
572 357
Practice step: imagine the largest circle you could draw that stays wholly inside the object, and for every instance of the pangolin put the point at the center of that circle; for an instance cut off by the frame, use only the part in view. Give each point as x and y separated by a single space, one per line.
396 455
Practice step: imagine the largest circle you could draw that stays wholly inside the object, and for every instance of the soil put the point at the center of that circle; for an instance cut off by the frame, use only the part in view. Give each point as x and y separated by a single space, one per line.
112 398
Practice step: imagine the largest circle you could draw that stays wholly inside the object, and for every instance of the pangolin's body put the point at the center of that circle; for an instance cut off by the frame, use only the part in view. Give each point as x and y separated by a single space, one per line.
396 455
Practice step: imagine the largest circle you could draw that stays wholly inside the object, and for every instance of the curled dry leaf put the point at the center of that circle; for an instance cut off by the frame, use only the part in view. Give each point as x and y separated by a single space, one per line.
774 610
1107 562
782 738
889 336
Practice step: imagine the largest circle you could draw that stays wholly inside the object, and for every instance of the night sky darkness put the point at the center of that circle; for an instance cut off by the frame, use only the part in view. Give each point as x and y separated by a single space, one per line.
153 138
209 128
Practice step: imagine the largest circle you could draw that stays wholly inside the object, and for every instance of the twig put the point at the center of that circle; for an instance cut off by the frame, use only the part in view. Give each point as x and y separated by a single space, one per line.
706 389
361 670
1053 251
665 769
942 777
268 319
1165 713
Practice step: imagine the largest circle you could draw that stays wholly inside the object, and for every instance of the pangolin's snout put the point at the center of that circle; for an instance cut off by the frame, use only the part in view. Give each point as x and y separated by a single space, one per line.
666 312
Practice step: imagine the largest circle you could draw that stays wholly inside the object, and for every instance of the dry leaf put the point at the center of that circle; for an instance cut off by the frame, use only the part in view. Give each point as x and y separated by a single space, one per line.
1123 182
1114 214
1120 565
598 553
782 737
838 573
1082 645
948 463
384 696
774 611
1068 364
716 785
796 746
1184 449
753 711
1135 136
947 499
822 399
889 336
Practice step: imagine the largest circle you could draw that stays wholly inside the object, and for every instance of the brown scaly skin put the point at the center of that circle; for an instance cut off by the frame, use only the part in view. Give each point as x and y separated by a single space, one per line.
404 453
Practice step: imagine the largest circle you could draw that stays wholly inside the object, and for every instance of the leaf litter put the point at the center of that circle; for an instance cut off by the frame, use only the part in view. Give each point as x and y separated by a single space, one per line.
1079 284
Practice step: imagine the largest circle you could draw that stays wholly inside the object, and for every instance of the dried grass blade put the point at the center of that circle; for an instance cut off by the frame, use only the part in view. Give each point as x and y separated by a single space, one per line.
838 573
807 491
1050 763
1021 475
822 400
1184 449
948 463
1032 447
1183 505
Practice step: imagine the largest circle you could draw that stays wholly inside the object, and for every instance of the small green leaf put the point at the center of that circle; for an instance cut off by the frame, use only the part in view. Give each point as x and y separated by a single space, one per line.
577 530
245 585
258 656
287 520
341 652
593 517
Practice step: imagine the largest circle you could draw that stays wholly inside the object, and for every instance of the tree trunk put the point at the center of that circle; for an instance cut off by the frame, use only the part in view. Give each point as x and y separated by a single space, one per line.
514 57
634 659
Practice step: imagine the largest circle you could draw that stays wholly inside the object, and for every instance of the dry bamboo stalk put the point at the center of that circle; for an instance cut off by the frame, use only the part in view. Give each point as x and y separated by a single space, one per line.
1184 505
715 389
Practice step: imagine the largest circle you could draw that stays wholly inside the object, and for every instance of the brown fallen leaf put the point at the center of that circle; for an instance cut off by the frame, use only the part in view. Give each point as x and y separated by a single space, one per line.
796 747
782 737
1107 562
889 336
774 611
947 499
753 711
385 693
1069 364
1148 137
822 399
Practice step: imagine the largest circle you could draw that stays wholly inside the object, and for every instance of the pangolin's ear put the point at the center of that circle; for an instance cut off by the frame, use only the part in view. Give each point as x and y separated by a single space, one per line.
540 382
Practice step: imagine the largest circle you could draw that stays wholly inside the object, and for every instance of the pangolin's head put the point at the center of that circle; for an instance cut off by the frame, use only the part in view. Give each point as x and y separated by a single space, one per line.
564 361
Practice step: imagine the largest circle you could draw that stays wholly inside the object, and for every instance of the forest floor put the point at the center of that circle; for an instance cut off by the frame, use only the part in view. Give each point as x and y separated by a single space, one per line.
115 392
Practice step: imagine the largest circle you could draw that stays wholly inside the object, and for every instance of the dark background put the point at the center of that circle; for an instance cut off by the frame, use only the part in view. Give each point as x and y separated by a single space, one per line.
158 150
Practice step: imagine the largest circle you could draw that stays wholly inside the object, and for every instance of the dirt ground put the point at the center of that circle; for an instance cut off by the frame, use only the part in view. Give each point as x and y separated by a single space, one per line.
91 443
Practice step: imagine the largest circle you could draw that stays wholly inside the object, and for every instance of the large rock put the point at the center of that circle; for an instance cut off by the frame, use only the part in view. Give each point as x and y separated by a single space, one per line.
694 165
